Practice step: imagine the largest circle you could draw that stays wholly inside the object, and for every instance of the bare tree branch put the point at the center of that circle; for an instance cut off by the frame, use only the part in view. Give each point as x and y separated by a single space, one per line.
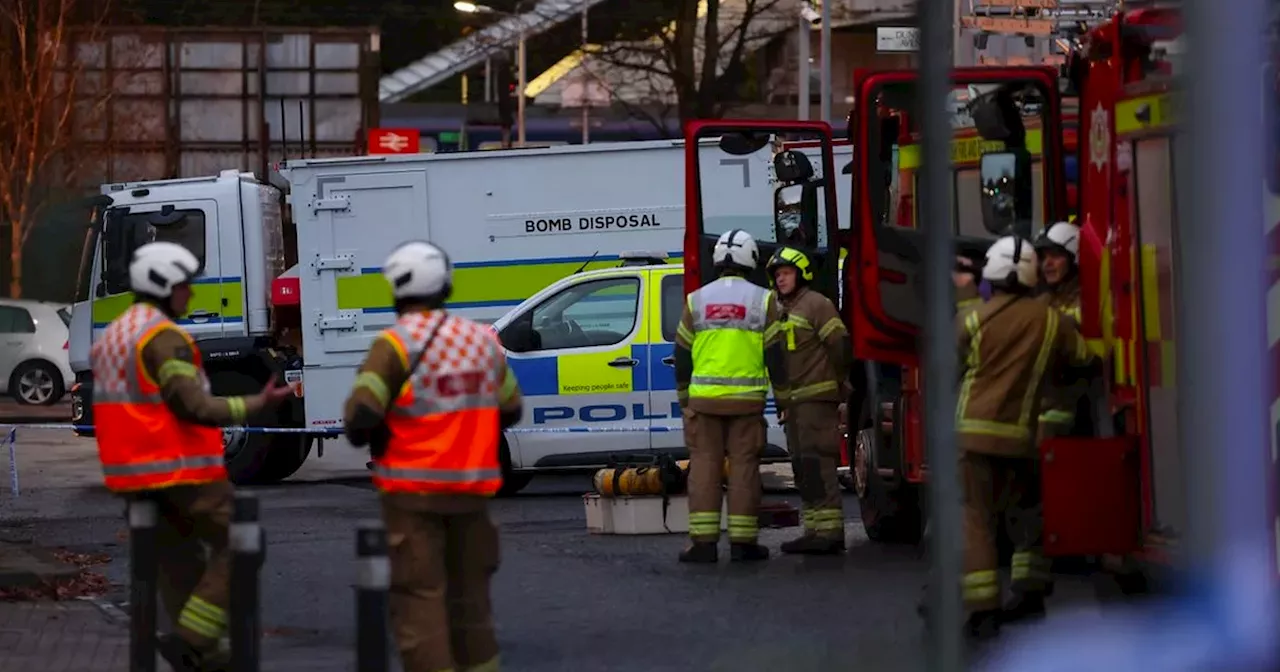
697 63
46 100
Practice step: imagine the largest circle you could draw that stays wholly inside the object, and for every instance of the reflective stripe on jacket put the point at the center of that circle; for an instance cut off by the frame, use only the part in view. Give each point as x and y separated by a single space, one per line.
1062 393
444 422
816 344
141 443
729 320
1007 348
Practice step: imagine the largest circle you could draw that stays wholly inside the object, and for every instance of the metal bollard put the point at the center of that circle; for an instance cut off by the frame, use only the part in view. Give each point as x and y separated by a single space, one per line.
248 543
143 563
374 580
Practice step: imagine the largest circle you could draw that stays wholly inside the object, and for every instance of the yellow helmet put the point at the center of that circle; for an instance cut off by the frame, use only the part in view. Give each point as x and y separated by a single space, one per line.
790 256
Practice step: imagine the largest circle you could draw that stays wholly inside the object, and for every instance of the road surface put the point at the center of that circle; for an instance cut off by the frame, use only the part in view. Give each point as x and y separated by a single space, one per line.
564 599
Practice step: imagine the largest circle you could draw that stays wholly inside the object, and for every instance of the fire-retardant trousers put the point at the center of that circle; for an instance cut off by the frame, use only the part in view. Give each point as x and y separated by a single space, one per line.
993 487
194 559
813 438
710 438
443 552
1030 571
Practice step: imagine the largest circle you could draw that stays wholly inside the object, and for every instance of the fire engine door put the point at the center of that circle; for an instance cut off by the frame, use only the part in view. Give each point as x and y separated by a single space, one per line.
1151 358
796 207
1006 178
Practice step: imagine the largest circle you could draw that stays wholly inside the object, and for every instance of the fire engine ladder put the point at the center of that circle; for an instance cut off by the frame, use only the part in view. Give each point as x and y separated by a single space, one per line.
477 47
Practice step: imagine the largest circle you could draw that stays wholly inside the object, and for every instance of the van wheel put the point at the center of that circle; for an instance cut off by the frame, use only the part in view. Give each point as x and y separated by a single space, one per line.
890 514
512 481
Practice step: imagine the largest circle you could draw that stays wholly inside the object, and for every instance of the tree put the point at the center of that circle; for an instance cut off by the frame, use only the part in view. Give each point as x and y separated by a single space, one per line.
46 102
696 65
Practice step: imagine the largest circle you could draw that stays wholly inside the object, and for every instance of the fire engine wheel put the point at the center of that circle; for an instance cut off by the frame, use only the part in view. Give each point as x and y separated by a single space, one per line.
512 480
257 459
890 514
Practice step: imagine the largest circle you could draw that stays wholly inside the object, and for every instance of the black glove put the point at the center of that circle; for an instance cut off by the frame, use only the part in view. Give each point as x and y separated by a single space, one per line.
361 428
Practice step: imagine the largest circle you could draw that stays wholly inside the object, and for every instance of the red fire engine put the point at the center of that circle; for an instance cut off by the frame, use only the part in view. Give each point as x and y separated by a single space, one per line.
1116 494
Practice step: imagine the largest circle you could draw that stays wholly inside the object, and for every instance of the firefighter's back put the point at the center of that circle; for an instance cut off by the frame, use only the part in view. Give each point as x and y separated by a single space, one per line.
1012 341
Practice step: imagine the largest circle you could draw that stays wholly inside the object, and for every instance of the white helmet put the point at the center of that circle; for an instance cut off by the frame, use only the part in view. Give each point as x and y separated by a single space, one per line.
1062 236
1011 259
157 268
736 249
419 269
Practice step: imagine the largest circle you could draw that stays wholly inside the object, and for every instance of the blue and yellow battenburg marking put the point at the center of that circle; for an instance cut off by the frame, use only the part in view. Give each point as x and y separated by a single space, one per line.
478 284
207 294
589 373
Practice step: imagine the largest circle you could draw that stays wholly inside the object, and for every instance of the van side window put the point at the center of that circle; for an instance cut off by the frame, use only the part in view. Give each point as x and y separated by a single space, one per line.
672 305
590 314
184 227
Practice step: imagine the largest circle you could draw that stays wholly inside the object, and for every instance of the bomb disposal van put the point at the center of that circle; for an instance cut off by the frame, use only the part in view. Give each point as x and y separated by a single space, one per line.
594 354
292 286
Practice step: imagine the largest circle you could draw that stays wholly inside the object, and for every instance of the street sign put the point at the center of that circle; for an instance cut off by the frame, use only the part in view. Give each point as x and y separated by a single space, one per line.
394 141
897 39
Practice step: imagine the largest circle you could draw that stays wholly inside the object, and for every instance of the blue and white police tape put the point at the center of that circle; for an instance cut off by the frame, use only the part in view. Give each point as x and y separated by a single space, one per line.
11 438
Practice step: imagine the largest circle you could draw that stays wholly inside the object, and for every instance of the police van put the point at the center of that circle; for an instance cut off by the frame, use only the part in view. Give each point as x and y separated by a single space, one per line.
594 354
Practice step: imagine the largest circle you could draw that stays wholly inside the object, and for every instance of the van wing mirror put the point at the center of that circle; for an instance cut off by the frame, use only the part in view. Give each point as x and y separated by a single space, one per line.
519 335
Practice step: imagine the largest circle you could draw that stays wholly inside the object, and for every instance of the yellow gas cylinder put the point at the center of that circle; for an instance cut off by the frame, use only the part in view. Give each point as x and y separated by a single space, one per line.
628 481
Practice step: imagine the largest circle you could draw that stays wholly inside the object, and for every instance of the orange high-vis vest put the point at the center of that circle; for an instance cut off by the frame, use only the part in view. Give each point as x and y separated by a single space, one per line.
141 443
444 423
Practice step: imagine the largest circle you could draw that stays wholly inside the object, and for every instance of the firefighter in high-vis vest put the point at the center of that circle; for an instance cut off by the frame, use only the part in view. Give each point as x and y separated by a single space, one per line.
431 400
1008 346
1031 574
727 350
817 362
157 431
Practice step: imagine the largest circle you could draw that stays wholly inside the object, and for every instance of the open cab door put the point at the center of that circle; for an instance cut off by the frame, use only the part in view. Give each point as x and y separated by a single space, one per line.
740 175
1006 173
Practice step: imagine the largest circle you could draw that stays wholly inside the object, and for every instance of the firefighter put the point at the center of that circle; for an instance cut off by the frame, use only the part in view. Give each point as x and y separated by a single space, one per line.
1008 346
431 400
1058 249
1030 572
158 438
817 361
727 350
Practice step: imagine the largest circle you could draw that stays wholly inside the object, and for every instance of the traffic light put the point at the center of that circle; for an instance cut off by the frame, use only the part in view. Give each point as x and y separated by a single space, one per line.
506 95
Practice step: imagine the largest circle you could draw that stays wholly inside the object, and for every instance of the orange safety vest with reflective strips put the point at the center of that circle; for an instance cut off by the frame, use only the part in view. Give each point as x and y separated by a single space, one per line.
141 443
444 423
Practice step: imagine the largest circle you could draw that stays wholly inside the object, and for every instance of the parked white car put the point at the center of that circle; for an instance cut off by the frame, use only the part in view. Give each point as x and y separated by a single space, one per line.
34 367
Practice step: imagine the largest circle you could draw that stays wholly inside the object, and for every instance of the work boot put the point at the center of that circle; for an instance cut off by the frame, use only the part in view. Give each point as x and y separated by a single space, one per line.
1026 606
704 552
812 544
742 551
179 653
983 625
